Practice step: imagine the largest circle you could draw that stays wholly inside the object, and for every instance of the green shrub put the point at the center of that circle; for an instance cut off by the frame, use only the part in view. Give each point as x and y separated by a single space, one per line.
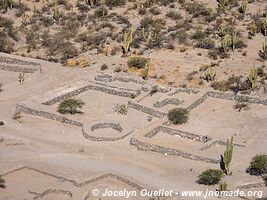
210 177
2 182
138 62
206 43
101 12
258 165
178 115
197 9
2 123
113 3
70 106
1 87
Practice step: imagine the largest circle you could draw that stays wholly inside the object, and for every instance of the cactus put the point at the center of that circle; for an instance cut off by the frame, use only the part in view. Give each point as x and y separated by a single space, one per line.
222 31
55 10
145 36
6 4
222 187
228 153
234 40
25 21
223 3
34 10
252 78
226 42
21 77
146 71
210 74
127 41
90 2
263 52
253 29
264 25
244 6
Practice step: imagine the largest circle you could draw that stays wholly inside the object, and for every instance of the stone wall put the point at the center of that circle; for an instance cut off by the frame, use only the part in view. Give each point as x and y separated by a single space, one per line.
172 101
169 151
17 61
183 134
53 191
48 115
184 90
227 96
106 90
147 110
114 126
103 139
219 142
17 69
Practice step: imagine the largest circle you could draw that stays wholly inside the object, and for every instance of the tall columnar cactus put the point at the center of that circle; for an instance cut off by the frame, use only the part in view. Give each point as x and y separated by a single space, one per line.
252 78
234 40
222 186
127 40
244 6
228 153
55 10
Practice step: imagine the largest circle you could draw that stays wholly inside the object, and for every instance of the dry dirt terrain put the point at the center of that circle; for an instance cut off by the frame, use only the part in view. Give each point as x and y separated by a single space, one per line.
130 63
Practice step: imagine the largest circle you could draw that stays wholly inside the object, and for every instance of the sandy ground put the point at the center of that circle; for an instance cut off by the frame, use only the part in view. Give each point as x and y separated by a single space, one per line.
61 150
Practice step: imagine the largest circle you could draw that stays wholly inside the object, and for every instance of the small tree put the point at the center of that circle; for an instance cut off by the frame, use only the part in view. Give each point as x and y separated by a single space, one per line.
178 115
70 106
1 87
258 165
210 177
2 183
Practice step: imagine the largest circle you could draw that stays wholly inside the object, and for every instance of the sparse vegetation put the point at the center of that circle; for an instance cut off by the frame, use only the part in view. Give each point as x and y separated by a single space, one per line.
70 106
138 62
228 154
258 165
253 77
241 104
2 183
153 90
17 116
210 177
178 115
121 109
223 186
